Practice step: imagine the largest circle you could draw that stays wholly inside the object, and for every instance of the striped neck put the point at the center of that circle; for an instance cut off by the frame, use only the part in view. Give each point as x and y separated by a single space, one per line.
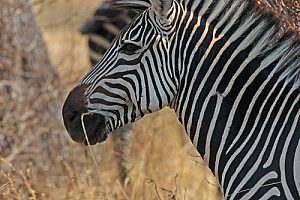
216 40
235 81
227 51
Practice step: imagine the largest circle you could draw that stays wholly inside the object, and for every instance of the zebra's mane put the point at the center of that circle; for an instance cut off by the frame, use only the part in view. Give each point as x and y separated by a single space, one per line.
290 60
287 39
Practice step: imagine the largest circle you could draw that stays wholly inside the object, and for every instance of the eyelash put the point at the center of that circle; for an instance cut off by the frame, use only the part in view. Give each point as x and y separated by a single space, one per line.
129 48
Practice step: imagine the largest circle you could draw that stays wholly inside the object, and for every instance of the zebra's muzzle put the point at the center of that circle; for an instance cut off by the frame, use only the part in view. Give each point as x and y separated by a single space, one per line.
92 124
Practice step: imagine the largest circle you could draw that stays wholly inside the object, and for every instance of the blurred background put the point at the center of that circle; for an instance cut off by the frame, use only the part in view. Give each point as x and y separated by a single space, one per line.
42 56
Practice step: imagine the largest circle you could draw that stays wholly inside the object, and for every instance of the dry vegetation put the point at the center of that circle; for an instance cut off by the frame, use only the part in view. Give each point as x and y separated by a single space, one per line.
39 161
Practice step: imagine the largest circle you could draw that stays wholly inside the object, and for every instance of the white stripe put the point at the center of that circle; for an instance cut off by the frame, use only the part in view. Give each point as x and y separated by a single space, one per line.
285 151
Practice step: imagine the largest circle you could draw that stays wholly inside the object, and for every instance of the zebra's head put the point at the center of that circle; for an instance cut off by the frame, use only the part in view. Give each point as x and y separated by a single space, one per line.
135 77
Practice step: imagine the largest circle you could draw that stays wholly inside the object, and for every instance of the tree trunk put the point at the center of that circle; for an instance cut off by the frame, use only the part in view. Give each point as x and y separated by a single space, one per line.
22 51
28 99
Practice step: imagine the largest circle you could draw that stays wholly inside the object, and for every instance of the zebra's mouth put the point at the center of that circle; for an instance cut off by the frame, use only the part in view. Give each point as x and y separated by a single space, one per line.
88 129
94 129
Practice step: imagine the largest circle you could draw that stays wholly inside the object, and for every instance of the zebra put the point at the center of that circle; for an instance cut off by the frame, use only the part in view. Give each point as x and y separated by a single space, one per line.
233 85
101 29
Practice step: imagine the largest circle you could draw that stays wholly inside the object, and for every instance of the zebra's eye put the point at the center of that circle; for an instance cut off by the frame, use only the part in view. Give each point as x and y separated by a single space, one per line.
129 48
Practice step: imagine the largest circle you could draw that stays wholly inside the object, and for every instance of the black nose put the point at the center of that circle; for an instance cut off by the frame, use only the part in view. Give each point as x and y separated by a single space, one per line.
72 111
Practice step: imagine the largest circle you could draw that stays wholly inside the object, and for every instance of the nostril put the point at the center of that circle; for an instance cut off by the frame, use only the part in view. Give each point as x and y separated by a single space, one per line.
71 117
74 115
74 105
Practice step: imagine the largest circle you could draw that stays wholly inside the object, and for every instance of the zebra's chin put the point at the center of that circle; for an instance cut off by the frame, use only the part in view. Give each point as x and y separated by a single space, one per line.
91 130
94 129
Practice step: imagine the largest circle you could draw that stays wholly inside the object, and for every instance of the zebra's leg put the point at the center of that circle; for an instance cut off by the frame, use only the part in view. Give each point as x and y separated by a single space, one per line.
122 143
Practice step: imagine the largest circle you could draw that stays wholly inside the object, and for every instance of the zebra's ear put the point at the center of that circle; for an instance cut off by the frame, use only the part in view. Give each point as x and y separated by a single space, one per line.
162 7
